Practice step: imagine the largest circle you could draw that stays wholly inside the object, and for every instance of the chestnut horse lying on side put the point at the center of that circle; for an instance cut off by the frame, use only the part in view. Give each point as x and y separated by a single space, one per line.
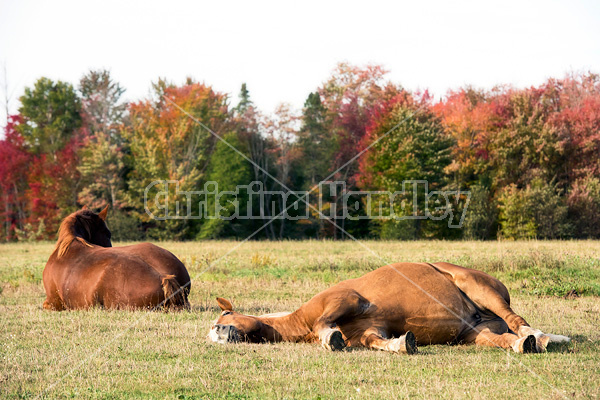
393 308
85 271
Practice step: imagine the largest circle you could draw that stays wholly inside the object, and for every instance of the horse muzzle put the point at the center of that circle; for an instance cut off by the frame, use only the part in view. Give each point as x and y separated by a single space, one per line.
224 334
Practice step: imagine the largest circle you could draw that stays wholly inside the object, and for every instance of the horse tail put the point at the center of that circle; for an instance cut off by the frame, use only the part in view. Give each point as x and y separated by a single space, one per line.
175 295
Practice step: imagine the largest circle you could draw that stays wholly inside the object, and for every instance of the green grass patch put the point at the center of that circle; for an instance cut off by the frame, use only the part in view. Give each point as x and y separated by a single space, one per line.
100 354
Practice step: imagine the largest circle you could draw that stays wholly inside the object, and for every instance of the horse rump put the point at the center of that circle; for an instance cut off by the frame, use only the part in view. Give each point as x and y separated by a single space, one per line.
175 295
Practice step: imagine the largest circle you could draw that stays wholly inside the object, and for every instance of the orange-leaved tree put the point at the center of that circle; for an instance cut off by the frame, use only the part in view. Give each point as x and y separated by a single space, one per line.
168 141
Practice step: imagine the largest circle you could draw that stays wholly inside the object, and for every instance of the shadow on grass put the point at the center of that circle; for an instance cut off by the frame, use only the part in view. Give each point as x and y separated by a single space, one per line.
578 344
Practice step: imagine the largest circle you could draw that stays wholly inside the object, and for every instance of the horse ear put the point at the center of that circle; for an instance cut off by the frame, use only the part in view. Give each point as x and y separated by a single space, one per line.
84 208
224 304
102 214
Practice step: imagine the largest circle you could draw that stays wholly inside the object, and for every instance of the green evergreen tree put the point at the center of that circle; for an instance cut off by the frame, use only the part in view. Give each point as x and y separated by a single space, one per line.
102 108
316 142
245 101
318 146
229 170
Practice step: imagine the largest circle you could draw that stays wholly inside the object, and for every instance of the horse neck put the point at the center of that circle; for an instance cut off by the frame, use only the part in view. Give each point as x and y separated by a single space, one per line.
287 328
66 236
70 246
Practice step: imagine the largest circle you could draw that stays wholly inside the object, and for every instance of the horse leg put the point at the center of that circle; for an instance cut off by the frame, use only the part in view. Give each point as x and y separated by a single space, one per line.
485 291
495 334
542 339
489 294
53 300
328 332
54 304
373 338
341 305
175 296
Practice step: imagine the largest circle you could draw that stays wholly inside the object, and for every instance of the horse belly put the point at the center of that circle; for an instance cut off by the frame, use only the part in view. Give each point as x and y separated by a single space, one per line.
418 298
436 330
437 317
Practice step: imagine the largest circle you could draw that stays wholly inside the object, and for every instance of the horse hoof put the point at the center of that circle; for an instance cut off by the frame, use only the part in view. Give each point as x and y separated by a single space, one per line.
542 343
410 342
406 344
336 341
530 344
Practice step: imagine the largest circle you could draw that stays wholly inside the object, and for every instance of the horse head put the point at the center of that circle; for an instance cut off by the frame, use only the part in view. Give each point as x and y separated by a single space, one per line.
235 327
84 225
92 227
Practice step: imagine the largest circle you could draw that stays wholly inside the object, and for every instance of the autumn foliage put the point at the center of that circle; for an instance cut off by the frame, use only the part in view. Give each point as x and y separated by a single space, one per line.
530 157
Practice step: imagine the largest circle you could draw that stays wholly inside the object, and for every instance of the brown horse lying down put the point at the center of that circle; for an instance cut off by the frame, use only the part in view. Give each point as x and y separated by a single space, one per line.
85 271
391 309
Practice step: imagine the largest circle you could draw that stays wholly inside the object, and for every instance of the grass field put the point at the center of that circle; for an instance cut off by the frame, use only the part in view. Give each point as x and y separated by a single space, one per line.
120 354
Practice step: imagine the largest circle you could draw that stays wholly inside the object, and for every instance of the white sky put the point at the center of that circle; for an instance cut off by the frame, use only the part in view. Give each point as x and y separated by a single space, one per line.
283 51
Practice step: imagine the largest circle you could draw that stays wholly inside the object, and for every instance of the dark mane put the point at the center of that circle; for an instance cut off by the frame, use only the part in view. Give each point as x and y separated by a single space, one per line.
67 233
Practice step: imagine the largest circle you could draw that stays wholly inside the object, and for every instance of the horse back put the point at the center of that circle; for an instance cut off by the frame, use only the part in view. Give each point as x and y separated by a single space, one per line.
405 283
162 260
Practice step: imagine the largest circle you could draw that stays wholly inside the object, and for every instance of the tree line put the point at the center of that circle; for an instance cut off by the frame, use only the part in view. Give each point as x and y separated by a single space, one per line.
529 157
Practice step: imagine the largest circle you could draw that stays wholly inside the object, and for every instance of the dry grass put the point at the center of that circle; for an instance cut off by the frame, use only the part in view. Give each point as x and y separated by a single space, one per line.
118 354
